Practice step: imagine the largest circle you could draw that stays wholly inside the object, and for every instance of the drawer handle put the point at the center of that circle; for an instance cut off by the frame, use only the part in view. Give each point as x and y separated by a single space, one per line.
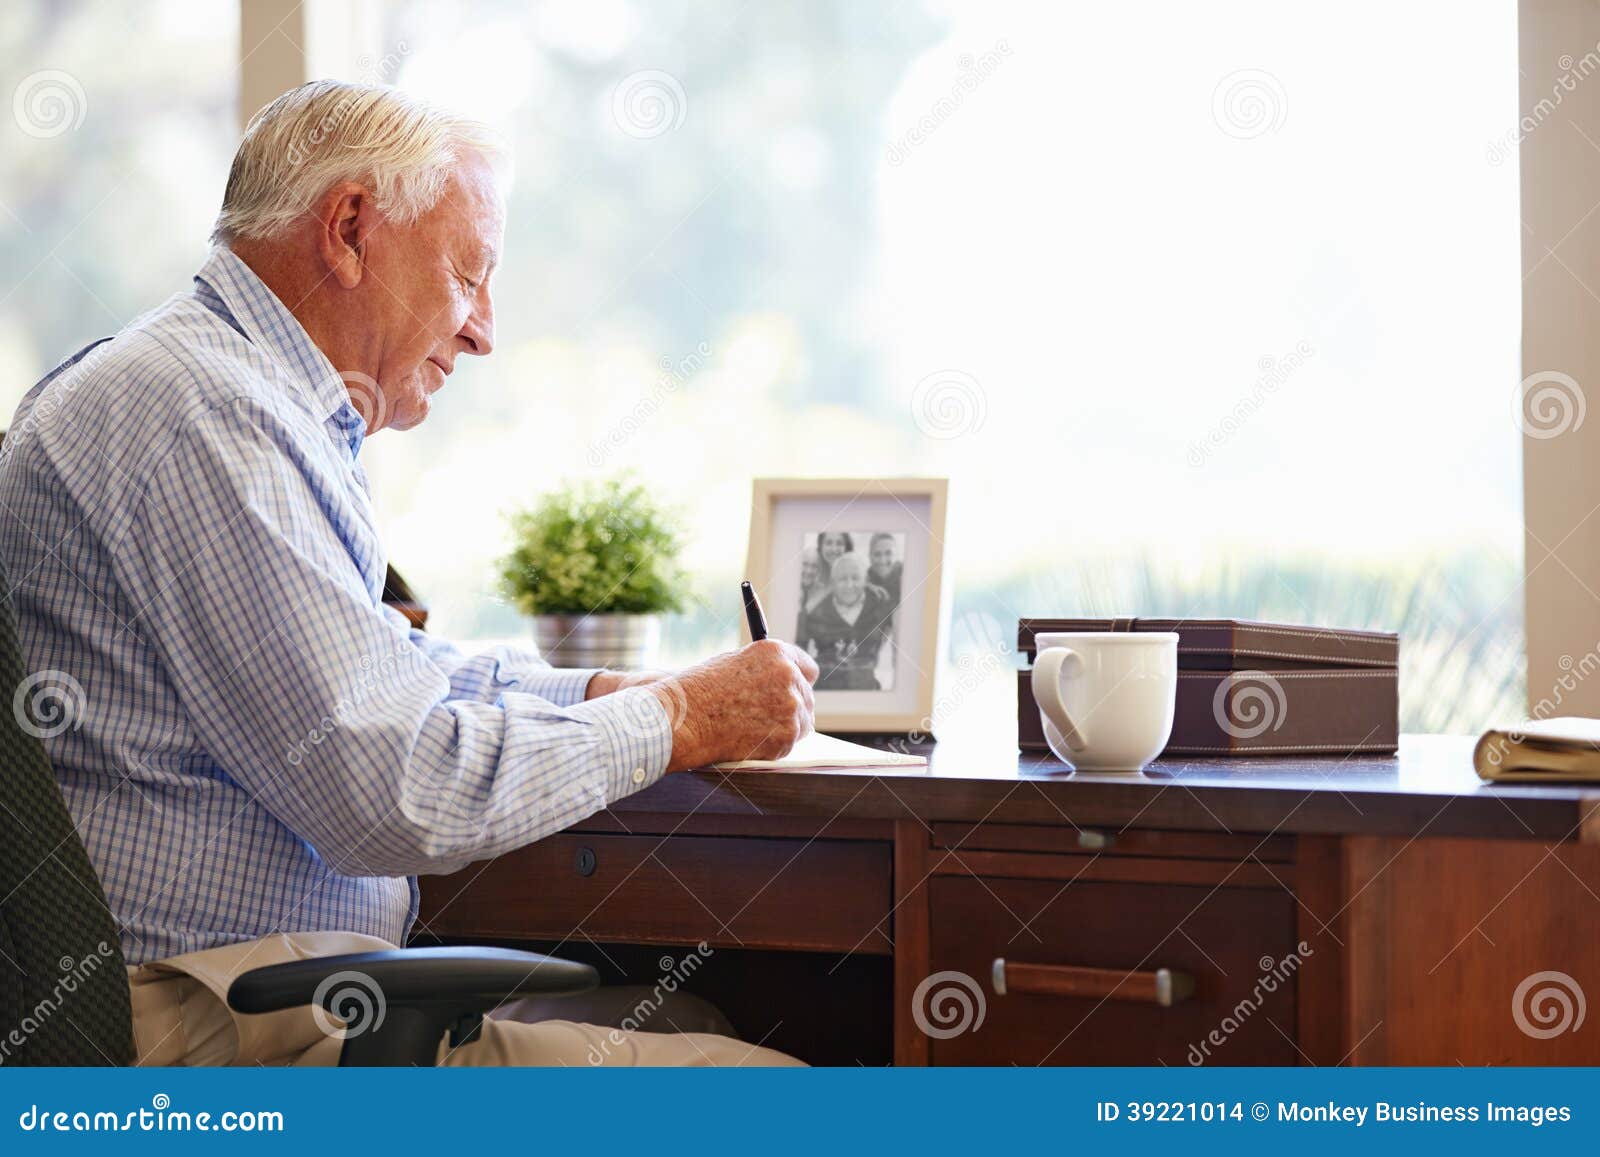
1163 986
1092 841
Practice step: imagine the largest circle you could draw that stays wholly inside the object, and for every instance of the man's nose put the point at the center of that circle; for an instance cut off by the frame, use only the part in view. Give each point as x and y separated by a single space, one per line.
478 331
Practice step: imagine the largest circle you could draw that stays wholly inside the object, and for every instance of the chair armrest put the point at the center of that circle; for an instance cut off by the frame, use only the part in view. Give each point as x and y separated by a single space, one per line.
411 976
397 1006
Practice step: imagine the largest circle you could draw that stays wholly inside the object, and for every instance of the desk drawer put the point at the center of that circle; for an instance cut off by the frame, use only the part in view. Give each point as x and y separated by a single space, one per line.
818 895
1065 838
1082 980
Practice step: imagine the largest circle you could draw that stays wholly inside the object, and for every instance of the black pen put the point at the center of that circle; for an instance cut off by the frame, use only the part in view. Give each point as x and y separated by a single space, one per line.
753 612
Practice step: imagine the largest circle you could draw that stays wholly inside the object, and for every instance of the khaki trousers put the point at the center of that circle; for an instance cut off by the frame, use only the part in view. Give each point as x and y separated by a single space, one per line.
181 1017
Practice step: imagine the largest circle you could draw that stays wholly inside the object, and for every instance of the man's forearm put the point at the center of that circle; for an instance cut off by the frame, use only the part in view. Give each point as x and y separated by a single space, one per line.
605 682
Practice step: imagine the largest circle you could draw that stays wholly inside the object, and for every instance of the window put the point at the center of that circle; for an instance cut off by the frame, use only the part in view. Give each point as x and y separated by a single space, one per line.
1204 309
115 160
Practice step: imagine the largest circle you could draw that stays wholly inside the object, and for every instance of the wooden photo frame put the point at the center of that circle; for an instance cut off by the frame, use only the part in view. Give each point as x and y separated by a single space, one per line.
878 667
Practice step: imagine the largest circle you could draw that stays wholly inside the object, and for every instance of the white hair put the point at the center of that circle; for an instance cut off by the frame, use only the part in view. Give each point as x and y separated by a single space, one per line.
315 136
851 558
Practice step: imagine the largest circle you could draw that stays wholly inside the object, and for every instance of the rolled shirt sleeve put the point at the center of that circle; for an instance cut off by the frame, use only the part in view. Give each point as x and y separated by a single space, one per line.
386 754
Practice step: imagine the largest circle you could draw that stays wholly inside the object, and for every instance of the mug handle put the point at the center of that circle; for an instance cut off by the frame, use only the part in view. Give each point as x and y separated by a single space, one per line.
1048 668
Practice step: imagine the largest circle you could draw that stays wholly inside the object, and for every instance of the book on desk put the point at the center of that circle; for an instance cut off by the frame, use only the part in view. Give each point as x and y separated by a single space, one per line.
1562 750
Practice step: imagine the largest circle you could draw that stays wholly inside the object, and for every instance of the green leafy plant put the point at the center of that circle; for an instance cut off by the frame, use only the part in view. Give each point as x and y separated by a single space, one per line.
594 548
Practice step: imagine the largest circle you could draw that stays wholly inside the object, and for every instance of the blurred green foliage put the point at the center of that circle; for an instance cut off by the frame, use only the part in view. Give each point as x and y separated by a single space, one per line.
594 548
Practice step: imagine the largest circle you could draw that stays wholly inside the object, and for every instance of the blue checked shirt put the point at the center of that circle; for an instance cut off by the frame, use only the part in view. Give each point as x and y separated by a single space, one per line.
248 740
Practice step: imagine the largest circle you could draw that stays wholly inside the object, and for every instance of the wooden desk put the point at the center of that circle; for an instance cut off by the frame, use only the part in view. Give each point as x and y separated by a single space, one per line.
1423 899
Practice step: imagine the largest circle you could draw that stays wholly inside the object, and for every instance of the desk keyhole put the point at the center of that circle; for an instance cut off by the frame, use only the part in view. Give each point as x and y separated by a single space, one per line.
586 862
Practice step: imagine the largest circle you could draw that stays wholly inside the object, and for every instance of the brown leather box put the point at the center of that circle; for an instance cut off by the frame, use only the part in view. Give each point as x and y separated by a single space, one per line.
1267 688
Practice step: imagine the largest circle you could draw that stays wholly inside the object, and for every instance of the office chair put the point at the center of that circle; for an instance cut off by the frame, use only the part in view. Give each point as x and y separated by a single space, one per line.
55 922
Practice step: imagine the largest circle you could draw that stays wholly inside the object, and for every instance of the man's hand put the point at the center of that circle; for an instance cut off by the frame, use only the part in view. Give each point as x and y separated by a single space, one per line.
753 703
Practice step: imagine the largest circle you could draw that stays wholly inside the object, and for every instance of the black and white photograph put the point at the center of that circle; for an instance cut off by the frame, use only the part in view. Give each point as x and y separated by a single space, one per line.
849 570
850 588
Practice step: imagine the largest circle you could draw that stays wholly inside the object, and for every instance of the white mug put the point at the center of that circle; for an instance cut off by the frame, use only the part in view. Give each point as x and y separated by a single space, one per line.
1106 697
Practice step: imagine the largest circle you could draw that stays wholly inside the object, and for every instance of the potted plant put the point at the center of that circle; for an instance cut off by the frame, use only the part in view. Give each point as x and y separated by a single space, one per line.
595 565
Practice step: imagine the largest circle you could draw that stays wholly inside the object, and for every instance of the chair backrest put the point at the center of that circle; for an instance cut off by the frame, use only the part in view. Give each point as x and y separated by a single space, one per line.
63 984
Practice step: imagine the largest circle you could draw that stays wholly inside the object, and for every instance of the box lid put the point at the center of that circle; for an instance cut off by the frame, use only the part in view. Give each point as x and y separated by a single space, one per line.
1238 644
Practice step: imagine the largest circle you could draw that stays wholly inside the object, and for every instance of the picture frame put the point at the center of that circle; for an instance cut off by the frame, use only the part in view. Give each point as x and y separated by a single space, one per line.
875 623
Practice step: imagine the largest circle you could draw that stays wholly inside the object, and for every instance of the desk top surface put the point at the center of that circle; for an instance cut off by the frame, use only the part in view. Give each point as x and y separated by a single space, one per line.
1428 789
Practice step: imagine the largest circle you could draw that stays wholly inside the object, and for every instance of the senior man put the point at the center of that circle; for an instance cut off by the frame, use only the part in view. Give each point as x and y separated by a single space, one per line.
265 755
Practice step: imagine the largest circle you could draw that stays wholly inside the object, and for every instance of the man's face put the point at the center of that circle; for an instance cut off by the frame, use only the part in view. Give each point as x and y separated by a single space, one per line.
883 556
431 287
849 583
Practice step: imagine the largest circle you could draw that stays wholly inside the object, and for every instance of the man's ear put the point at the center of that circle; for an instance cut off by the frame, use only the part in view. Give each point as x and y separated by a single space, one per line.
345 217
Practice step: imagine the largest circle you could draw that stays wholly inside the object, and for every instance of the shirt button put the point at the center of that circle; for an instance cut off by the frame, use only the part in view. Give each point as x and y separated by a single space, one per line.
638 775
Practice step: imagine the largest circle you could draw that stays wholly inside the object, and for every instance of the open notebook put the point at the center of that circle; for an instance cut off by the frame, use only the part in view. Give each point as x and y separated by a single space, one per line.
824 751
